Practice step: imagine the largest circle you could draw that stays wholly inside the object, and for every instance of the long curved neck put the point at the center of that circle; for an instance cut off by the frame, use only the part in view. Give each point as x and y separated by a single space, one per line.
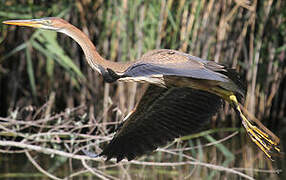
93 58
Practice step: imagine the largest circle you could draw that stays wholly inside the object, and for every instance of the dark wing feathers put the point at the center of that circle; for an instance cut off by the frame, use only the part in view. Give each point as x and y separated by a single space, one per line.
238 81
177 69
174 63
162 115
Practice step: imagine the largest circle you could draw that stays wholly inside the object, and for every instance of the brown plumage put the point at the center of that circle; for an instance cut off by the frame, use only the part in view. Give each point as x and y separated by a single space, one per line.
185 92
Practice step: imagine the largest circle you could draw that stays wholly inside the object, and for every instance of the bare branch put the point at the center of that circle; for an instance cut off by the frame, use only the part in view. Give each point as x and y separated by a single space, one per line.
39 167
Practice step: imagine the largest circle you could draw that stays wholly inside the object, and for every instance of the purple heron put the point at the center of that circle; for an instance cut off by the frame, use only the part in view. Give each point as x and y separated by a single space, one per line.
184 93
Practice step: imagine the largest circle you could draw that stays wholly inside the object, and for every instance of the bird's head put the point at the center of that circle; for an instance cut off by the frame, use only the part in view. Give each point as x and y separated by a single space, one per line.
50 23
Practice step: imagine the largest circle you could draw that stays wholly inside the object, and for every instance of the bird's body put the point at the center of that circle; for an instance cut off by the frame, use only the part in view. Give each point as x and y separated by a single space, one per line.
185 92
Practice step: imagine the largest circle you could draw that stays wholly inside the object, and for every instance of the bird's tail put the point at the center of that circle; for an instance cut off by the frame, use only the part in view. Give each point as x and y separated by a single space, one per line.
258 133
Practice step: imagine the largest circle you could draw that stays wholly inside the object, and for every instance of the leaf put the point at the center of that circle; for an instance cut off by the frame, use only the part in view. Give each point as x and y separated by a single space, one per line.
13 15
50 67
15 50
30 72
49 39
210 131
221 147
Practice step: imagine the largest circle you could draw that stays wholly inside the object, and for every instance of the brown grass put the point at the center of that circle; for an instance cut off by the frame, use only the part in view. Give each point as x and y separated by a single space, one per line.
48 107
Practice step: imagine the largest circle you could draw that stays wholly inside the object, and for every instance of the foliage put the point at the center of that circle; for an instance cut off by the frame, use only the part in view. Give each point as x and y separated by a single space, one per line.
43 75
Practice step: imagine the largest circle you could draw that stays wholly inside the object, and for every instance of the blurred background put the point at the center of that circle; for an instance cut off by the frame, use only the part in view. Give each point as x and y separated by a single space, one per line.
50 97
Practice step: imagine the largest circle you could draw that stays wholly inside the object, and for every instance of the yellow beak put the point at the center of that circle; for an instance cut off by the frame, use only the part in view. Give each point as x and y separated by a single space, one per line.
30 23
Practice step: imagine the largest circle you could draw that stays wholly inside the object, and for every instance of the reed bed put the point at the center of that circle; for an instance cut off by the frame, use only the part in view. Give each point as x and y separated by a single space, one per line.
53 106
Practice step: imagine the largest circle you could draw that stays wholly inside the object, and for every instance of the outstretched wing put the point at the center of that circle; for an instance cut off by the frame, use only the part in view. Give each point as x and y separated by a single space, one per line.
174 63
162 115
165 63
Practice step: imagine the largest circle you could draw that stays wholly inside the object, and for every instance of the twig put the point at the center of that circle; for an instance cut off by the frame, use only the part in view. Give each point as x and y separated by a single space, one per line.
39 167
96 172
12 151
212 166
206 145
46 150
277 171
76 174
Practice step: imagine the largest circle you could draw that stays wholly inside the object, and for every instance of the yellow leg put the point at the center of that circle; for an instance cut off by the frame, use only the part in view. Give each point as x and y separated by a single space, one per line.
260 138
263 140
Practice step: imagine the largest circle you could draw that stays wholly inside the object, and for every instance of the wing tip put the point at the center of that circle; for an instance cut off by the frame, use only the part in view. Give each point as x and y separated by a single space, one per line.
118 157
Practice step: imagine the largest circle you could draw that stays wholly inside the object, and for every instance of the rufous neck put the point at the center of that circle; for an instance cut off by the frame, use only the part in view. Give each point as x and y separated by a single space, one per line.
92 56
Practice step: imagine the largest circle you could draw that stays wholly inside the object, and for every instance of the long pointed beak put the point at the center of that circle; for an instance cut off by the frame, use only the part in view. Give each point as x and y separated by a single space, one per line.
35 23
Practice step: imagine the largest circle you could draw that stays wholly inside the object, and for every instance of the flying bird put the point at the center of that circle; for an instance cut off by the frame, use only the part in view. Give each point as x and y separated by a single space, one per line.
184 93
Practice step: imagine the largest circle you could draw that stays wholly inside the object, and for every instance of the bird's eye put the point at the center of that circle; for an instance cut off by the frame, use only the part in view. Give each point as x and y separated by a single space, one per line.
47 22
171 52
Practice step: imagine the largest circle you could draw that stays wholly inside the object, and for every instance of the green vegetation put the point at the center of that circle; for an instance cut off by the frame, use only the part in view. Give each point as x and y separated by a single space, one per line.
46 87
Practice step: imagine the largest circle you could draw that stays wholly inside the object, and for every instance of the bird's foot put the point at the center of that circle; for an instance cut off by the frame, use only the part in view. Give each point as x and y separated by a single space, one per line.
263 140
